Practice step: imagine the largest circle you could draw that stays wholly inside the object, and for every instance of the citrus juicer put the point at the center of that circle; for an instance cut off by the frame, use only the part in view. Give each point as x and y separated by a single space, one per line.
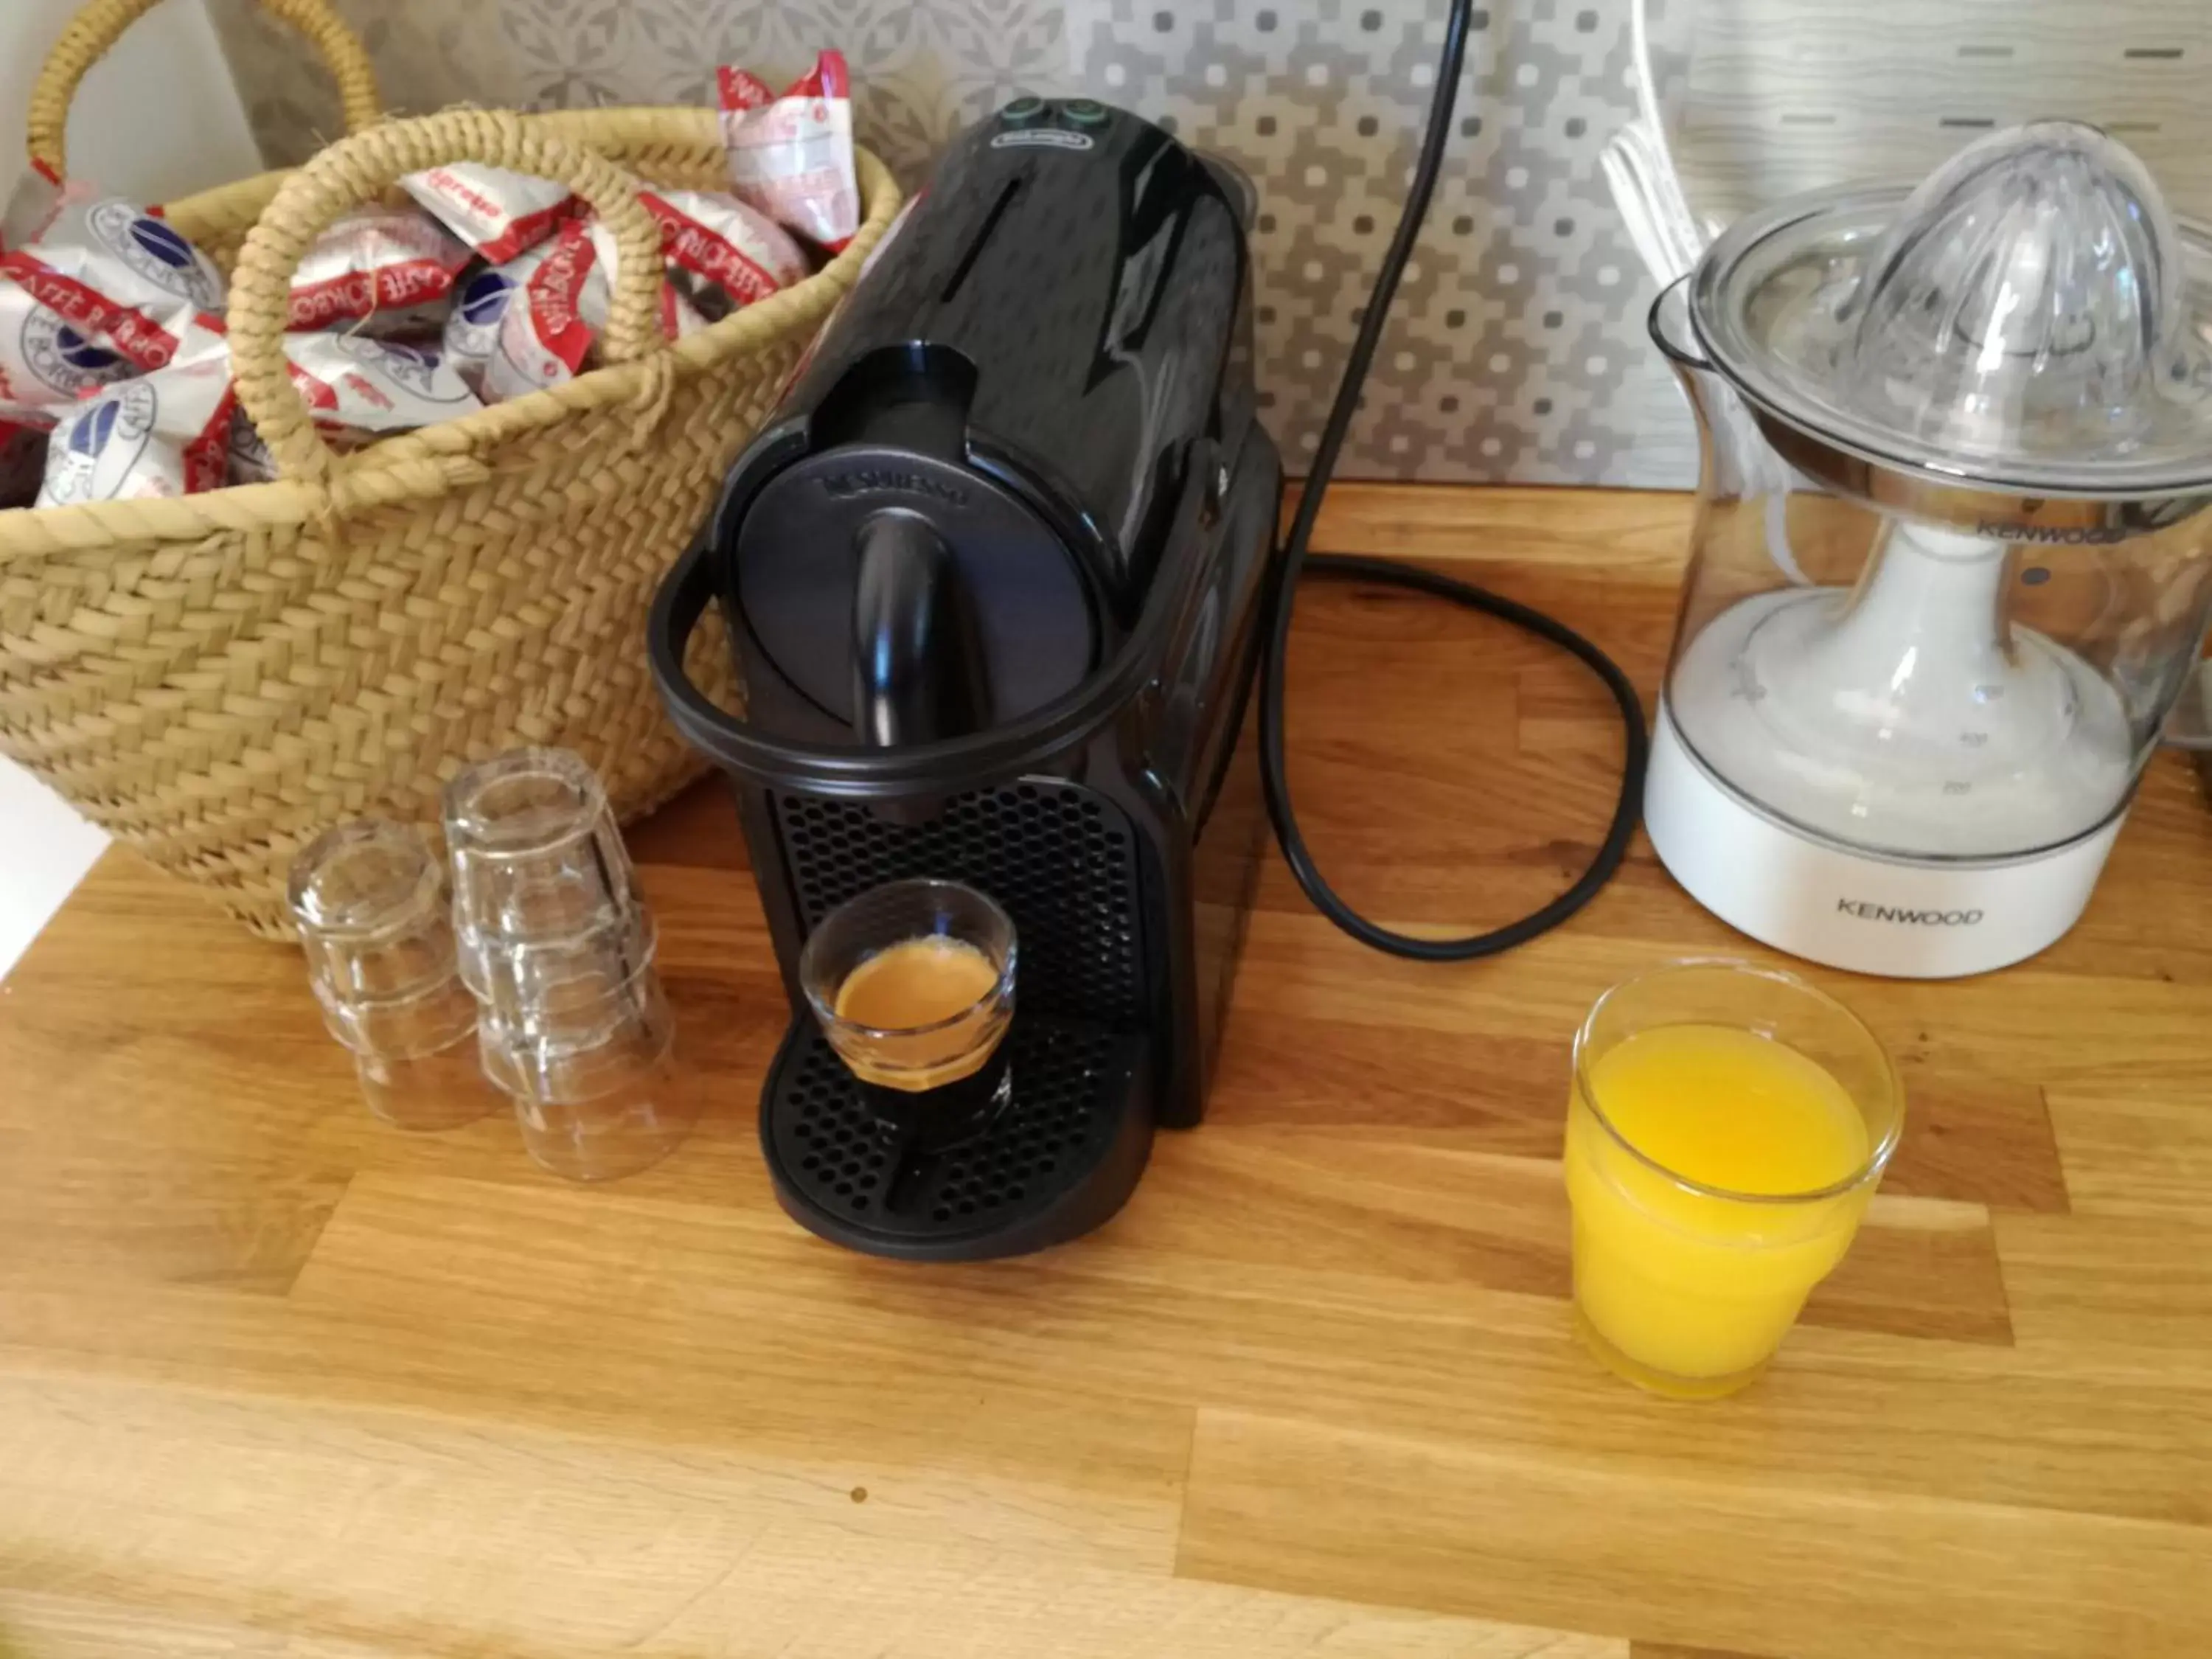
1985 411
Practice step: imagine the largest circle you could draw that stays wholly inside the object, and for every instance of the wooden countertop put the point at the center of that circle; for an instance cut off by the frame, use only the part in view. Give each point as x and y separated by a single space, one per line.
276 1379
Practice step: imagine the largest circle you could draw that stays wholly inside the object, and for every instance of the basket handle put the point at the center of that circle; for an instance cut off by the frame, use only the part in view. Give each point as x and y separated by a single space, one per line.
100 24
359 169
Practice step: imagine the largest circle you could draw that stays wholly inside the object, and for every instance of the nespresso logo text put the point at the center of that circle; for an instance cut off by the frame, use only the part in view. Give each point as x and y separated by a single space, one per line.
868 481
1867 912
2064 535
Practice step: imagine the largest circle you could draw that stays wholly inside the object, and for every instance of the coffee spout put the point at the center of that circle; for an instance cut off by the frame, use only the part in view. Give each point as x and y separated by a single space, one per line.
916 663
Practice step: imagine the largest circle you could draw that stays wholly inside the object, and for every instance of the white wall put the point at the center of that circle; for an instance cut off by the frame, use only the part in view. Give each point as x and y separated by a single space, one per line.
159 117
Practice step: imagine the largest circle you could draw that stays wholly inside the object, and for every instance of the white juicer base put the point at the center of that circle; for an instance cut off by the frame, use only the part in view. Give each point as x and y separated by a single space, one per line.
1859 911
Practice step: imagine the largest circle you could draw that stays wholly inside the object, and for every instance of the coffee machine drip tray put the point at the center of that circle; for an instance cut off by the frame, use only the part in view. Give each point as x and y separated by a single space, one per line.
1058 1158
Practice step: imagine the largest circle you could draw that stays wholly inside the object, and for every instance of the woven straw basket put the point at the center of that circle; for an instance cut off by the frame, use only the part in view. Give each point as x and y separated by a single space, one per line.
216 678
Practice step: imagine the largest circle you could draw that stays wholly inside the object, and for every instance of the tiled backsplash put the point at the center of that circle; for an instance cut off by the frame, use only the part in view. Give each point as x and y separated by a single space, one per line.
1516 349
1785 95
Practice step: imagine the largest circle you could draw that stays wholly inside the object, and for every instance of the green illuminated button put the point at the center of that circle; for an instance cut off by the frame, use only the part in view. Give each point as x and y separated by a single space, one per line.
1086 111
1022 111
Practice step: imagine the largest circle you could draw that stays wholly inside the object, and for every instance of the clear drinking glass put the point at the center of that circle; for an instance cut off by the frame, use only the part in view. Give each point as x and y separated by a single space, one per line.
370 901
564 989
1727 1125
603 1099
556 943
941 957
536 854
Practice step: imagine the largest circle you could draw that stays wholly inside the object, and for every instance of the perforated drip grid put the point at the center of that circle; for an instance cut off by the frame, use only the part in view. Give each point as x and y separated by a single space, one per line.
1071 1086
1060 860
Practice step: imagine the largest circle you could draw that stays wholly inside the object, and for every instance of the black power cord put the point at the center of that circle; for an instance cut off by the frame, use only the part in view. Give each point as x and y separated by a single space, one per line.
1296 564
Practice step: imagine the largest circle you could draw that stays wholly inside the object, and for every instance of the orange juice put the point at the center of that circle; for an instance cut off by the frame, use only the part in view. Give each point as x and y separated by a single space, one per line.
1688 1285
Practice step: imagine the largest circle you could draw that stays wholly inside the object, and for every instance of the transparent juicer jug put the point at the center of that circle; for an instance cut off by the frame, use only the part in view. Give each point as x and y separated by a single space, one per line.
1949 572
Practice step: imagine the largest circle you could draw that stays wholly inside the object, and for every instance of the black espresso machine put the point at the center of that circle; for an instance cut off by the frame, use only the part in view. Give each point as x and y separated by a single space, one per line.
995 574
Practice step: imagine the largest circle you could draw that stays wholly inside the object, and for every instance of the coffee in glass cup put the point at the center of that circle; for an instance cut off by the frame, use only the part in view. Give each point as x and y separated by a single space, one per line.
912 983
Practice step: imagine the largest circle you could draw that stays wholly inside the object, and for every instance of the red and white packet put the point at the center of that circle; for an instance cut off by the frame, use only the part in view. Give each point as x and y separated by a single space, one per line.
497 212
718 238
160 434
385 266
179 431
46 365
791 157
678 316
543 335
104 291
556 310
353 383
471 332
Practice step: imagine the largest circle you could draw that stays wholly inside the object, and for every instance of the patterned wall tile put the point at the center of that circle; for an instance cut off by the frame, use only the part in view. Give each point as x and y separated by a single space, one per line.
1778 96
1516 349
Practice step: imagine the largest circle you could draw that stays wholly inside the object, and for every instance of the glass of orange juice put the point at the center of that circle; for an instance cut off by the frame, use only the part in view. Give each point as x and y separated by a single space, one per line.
1727 1125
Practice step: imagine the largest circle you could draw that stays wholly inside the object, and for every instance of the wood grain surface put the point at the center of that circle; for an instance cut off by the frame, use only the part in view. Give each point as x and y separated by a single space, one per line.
278 1380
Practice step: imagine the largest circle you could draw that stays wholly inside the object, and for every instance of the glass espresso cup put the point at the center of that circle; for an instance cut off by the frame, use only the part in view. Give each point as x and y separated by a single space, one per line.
912 983
369 900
